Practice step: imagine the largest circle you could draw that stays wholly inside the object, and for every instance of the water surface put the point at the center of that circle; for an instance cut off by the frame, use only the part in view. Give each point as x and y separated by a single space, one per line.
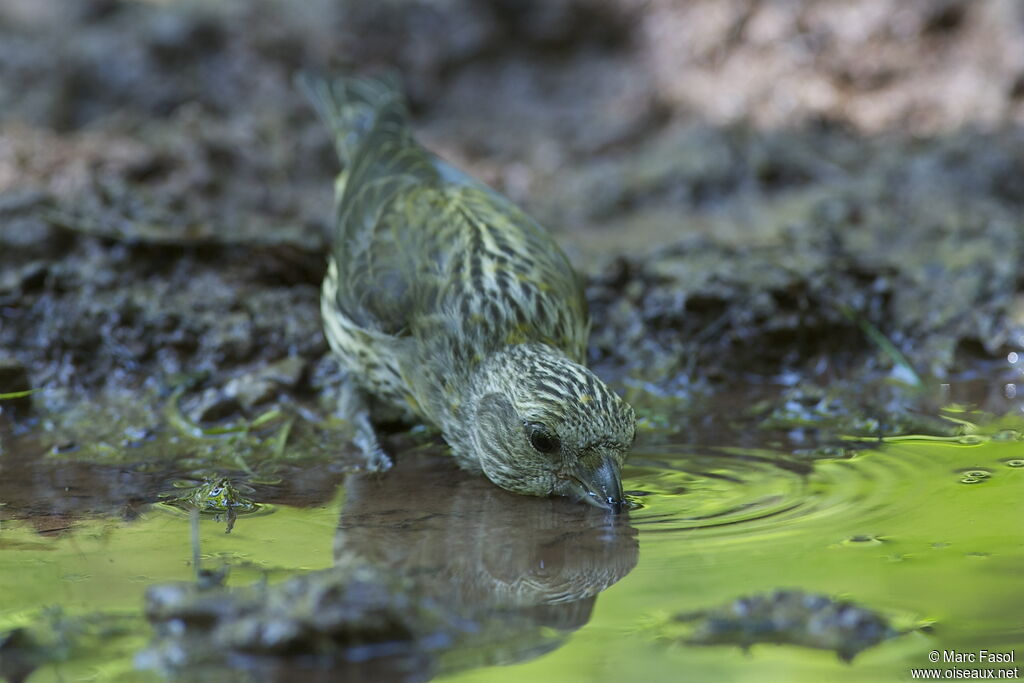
926 531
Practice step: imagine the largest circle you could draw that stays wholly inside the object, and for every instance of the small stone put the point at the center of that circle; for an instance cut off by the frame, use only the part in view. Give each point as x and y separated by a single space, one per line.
790 617
251 390
287 372
263 386
28 277
213 405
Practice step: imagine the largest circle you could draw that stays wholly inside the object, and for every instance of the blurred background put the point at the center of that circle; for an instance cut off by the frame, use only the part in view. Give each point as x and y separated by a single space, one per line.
732 177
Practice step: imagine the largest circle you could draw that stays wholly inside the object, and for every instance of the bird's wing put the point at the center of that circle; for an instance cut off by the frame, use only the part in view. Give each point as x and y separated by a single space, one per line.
399 262
418 238
531 292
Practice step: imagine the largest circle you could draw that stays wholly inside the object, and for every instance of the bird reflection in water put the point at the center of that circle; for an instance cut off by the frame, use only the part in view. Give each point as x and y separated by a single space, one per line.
435 570
532 566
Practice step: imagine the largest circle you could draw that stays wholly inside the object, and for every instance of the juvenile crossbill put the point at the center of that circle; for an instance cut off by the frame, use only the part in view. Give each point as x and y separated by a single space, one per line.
444 300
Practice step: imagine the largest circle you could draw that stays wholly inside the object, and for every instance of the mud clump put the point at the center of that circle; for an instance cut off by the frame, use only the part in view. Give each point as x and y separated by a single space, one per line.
364 620
314 613
790 617
56 637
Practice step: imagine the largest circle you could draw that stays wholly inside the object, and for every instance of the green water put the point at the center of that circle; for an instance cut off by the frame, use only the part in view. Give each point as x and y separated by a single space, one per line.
895 529
928 532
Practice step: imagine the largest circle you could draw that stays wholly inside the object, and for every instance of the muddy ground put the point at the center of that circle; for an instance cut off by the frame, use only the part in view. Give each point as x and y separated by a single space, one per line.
804 210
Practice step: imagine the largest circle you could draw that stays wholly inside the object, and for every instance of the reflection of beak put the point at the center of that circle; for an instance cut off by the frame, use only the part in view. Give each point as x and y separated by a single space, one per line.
599 485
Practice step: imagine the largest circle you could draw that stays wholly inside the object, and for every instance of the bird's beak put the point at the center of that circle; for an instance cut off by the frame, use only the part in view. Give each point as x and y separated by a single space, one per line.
599 484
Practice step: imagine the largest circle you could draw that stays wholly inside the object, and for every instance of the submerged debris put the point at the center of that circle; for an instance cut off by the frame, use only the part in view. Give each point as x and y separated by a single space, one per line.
354 617
790 617
56 637
320 613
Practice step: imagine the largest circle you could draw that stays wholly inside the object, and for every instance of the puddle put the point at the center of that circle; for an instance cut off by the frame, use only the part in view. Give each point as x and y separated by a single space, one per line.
895 529
581 595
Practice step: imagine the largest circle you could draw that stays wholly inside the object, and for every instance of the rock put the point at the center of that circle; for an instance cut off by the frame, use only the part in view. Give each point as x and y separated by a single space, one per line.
330 614
251 390
790 617
263 385
212 405
287 372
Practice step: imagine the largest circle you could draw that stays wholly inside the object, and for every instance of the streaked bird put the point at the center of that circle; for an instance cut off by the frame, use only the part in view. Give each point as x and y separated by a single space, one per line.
447 303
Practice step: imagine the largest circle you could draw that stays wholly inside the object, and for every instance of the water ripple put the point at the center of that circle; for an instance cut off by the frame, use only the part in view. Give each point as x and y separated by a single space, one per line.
729 492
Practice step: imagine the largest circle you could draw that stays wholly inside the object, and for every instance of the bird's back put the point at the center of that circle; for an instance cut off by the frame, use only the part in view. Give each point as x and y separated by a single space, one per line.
423 249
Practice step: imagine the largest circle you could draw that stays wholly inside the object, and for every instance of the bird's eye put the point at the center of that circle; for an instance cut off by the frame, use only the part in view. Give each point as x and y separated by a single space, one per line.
542 438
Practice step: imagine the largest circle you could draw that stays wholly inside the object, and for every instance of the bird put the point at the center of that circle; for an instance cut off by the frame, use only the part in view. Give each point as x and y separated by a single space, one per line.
445 303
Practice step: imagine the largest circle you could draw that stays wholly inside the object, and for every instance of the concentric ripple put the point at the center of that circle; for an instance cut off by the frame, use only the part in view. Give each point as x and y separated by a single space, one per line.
723 492
712 488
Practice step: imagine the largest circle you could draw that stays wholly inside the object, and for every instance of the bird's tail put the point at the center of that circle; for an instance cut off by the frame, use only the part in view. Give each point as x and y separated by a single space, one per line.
352 106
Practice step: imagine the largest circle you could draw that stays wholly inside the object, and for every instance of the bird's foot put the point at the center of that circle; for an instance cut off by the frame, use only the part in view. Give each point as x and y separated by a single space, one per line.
377 459
365 439
353 405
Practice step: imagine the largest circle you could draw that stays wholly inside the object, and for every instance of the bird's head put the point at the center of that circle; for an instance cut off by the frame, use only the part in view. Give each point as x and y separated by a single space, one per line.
545 425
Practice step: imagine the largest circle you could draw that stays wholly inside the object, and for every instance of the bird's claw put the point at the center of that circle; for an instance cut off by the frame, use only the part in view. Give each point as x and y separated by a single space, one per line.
365 439
376 459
